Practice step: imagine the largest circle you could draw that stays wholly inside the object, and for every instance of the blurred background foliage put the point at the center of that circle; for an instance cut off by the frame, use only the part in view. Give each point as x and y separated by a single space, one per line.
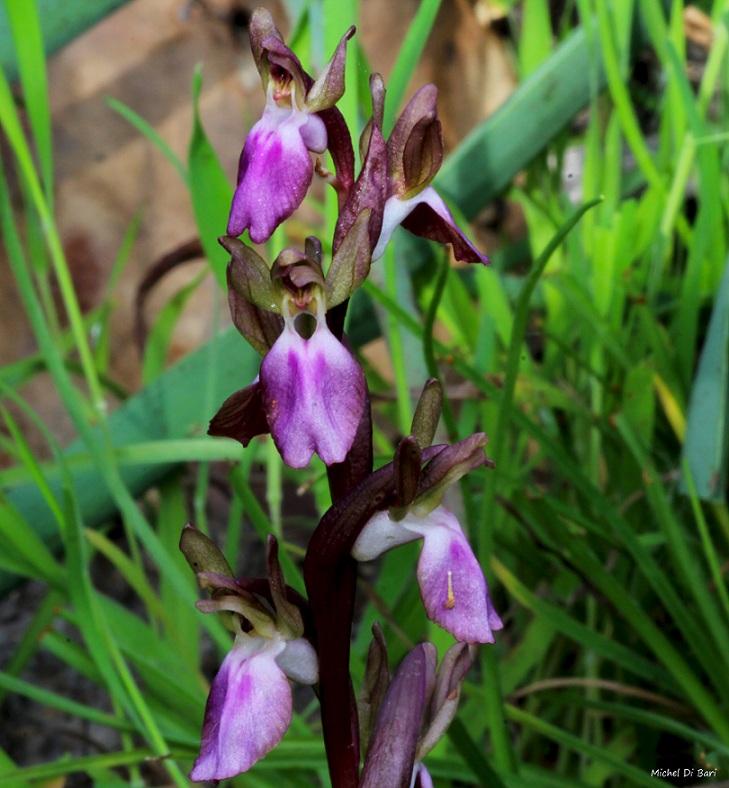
594 352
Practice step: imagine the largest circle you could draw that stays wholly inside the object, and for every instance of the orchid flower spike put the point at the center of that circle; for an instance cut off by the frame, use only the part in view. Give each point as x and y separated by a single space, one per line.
275 168
414 156
250 705
452 584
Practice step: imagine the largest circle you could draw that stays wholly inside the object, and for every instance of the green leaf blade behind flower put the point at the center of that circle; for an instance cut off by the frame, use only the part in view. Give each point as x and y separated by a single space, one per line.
210 190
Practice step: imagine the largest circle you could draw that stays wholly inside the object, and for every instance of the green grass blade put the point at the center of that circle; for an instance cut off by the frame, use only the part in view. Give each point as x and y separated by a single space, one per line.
407 58
51 699
151 134
60 23
210 190
263 527
25 25
173 407
521 316
586 637
632 774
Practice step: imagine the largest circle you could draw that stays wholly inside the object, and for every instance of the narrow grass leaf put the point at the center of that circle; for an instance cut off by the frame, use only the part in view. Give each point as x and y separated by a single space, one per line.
407 58
54 701
150 133
157 348
485 162
634 775
210 190
28 40
588 638
22 552
131 572
263 527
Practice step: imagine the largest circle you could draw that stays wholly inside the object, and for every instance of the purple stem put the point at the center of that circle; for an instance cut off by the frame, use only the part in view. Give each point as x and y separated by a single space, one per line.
330 575
331 578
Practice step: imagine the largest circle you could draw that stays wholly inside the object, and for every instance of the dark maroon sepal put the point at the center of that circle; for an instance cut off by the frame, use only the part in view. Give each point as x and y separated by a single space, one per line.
261 27
241 416
423 155
409 134
339 143
286 613
427 413
407 463
425 222
453 462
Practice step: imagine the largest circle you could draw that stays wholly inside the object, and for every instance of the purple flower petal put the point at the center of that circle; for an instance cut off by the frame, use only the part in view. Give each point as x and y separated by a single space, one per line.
313 395
452 584
428 216
248 710
275 170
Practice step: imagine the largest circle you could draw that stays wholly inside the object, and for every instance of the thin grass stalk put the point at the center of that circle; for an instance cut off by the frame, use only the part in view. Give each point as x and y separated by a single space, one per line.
13 130
521 316
707 544
409 54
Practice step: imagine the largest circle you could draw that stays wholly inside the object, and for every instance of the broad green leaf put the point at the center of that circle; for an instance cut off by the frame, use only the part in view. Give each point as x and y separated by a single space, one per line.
706 449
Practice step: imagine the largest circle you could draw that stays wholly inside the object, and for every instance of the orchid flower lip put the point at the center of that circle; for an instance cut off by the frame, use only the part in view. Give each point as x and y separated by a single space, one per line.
250 704
313 393
248 710
452 584
421 777
275 169
396 210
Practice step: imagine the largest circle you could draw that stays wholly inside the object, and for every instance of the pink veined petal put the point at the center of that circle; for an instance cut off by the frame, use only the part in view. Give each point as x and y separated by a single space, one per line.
248 710
274 173
313 395
452 584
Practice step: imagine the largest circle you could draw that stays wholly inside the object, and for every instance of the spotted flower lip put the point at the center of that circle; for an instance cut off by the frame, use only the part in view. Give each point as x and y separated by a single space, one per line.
452 585
313 395
250 706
